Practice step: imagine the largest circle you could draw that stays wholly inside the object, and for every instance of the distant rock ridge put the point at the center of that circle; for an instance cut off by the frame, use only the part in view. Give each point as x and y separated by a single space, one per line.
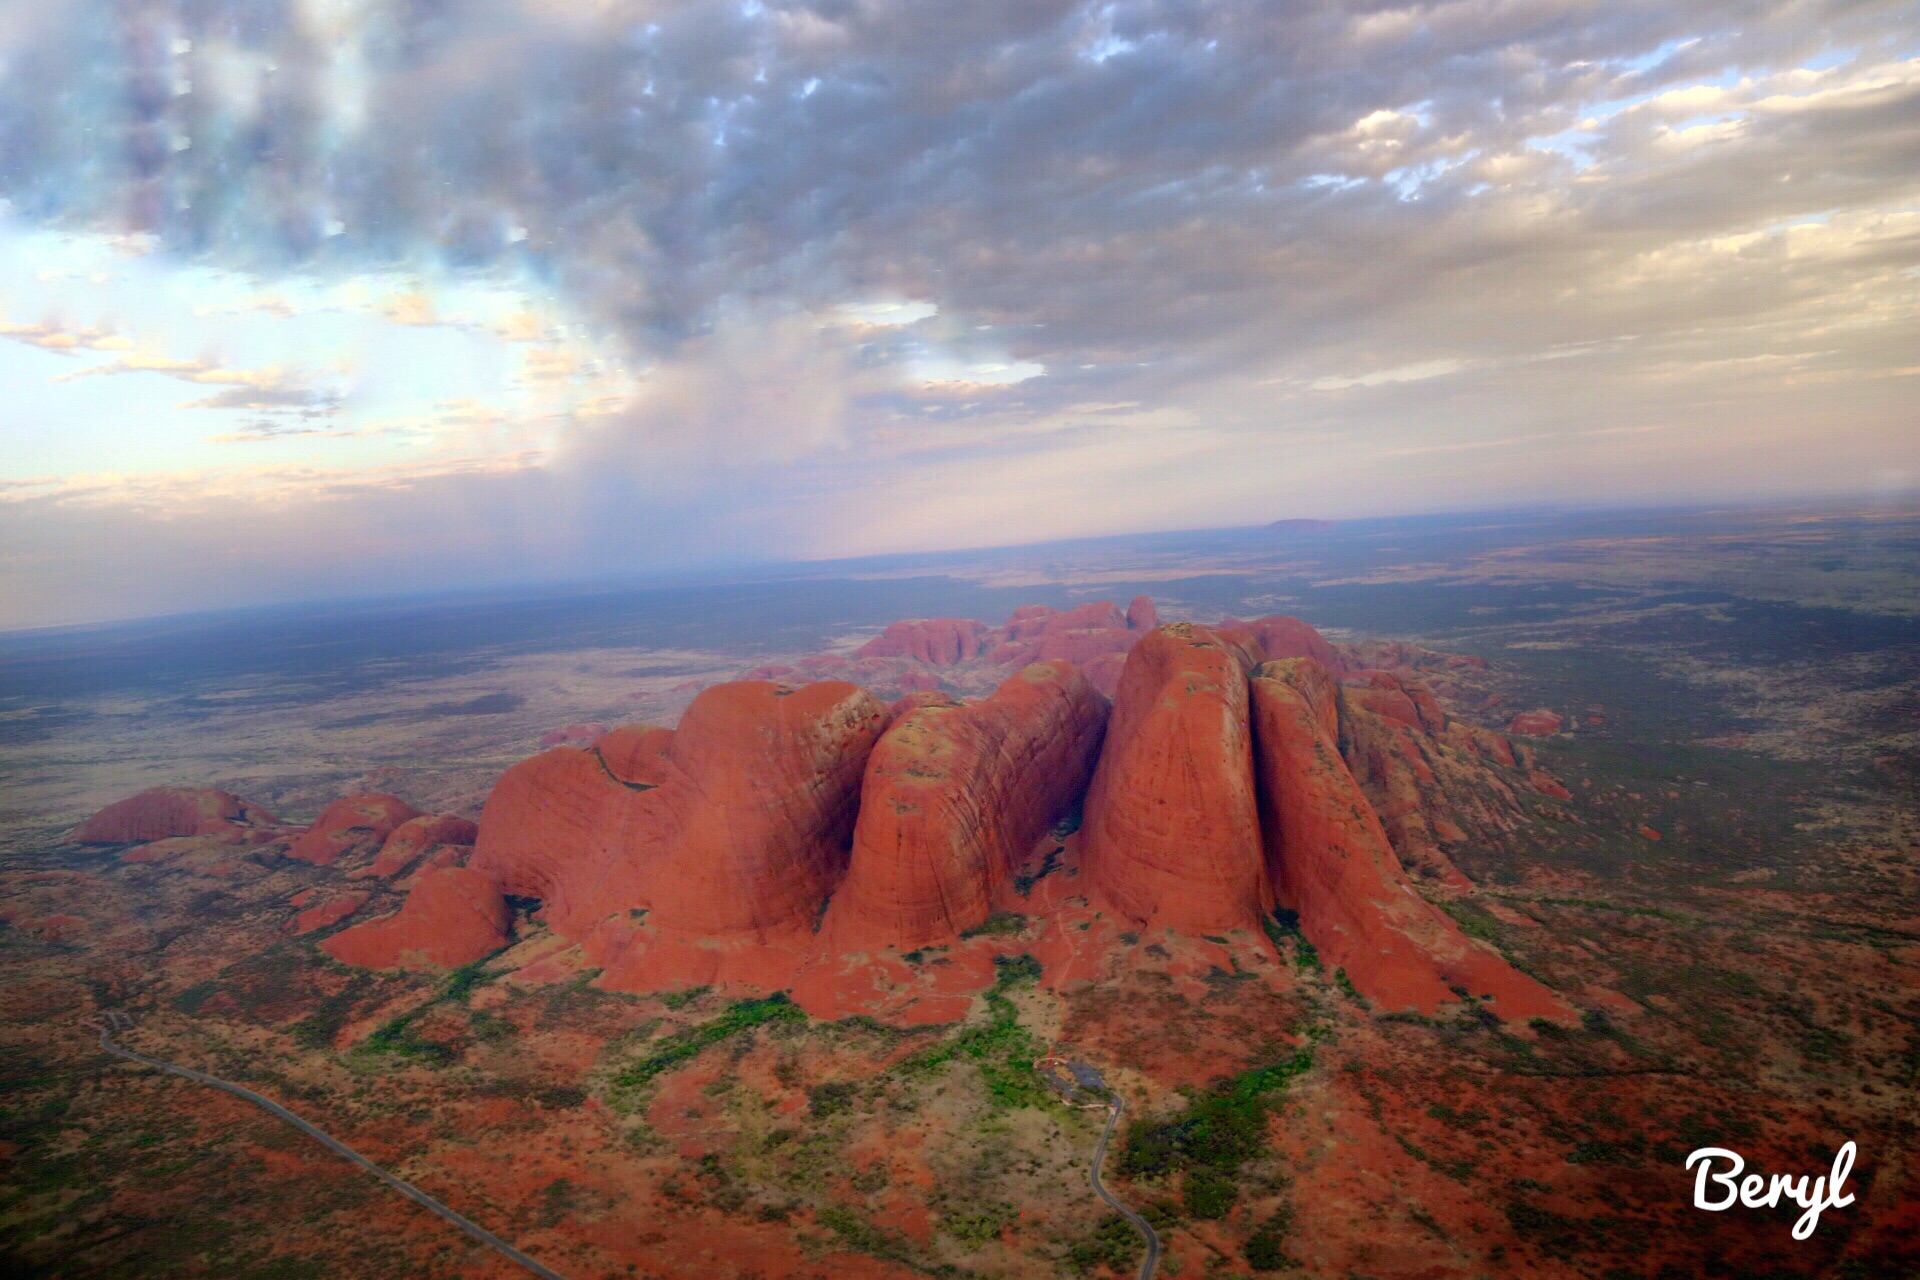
807 836
159 813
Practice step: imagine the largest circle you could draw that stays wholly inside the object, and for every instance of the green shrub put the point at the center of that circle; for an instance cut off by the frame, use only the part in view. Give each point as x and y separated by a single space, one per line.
1219 1130
1114 1243
999 924
684 1045
980 1224
1266 1248
1208 1193
830 1099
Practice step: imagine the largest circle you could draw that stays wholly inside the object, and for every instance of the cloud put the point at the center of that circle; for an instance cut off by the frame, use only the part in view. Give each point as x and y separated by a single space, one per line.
54 337
816 256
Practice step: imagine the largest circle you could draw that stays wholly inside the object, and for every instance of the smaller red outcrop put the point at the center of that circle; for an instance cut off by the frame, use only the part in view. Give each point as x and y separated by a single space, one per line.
573 733
1548 785
414 837
162 812
1083 645
351 824
330 912
1281 636
938 642
1381 694
1141 615
1536 724
454 916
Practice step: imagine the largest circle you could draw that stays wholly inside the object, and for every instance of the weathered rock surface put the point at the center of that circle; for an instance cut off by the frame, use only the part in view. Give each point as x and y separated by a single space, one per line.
328 913
1172 833
938 642
769 784
1536 724
162 812
739 820
1331 861
954 795
414 837
1281 636
1141 615
351 824
453 916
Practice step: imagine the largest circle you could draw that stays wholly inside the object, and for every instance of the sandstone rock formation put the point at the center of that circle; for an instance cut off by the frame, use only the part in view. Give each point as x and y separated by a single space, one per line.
938 642
1331 861
1281 636
737 821
328 913
453 916
351 824
162 812
809 837
954 795
414 837
1172 833
1536 724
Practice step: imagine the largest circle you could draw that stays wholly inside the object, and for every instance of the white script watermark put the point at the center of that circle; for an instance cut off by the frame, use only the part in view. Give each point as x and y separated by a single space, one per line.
1758 1192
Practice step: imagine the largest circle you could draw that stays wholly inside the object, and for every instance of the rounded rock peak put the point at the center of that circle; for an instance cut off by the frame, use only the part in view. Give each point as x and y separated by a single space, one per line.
160 813
350 823
453 916
954 795
1172 833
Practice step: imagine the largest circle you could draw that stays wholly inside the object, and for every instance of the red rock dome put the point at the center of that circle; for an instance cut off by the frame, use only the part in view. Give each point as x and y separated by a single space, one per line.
954 795
163 812
1172 833
351 824
454 916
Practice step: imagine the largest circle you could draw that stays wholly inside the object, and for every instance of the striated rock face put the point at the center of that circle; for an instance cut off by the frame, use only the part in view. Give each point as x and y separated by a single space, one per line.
554 823
1331 861
351 824
739 820
1172 834
938 642
954 795
454 916
162 812
772 783
1536 724
414 837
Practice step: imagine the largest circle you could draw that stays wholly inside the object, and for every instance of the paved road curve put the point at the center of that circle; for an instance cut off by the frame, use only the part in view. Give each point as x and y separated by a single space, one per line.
1140 1224
342 1150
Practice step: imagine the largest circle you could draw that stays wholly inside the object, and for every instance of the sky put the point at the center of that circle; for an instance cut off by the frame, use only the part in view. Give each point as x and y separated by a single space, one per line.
304 299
